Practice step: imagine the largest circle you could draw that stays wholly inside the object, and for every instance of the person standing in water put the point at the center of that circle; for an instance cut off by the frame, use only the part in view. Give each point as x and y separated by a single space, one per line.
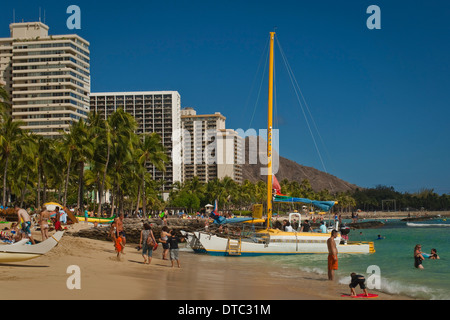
434 255
418 257
332 255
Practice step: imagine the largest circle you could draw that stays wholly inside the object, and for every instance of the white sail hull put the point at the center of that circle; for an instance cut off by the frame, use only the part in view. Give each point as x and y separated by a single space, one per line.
20 251
287 243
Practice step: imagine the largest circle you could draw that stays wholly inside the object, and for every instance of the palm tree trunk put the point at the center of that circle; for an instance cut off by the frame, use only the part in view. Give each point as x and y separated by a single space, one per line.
44 190
24 190
144 203
104 179
4 180
121 203
60 191
138 199
80 185
67 182
100 197
112 204
39 189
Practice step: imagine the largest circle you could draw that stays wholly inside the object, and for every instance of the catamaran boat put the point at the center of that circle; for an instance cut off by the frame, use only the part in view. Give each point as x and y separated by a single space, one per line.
270 241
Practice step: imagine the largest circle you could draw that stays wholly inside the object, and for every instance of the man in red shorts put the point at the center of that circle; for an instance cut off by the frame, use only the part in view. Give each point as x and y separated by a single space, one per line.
332 255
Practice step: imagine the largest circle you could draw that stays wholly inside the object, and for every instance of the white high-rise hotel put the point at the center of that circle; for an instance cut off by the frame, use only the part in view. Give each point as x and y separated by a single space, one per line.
47 77
154 111
209 149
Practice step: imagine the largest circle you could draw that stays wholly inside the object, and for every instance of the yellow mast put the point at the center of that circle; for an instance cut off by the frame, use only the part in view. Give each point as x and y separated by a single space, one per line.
269 134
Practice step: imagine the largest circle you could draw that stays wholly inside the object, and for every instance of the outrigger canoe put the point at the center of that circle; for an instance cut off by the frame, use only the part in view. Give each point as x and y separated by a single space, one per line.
94 219
21 251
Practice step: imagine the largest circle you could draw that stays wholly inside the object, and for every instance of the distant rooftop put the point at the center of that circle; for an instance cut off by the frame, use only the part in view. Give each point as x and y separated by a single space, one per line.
28 30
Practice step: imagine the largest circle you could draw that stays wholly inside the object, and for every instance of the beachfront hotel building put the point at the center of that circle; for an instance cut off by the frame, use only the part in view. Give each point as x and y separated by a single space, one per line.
154 111
47 77
209 149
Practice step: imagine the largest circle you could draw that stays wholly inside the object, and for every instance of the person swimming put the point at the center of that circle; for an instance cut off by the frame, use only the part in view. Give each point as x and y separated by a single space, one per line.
433 255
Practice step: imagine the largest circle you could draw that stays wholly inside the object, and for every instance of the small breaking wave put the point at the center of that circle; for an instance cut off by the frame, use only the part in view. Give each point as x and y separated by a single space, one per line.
419 225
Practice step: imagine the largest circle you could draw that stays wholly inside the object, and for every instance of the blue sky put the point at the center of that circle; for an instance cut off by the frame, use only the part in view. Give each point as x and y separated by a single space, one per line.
380 98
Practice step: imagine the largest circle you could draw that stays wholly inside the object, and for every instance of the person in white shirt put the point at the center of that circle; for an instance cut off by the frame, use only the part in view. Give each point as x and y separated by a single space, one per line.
63 216
323 229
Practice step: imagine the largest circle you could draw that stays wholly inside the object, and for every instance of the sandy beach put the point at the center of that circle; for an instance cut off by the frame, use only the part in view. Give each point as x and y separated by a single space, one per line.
201 277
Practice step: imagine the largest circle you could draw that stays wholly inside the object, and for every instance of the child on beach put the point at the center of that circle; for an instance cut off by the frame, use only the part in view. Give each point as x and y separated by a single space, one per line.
173 240
357 280
118 245
164 236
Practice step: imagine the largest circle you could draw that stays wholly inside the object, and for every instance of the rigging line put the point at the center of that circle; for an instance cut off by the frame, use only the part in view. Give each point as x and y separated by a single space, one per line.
312 118
262 79
276 147
276 110
256 74
309 112
292 77
290 71
275 116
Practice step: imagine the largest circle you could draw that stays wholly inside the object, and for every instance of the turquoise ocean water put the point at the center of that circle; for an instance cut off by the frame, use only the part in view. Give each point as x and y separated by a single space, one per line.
394 257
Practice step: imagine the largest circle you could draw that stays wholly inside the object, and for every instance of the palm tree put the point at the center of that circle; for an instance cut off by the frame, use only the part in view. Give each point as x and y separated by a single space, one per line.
11 138
4 100
100 132
22 174
84 152
67 148
153 152
123 141
195 185
230 191
43 147
77 146
247 193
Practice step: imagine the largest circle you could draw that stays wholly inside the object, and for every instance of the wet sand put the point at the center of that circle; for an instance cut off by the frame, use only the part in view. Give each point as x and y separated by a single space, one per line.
201 277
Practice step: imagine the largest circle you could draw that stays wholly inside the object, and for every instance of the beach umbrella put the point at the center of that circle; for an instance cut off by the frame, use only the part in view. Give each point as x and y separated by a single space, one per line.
51 206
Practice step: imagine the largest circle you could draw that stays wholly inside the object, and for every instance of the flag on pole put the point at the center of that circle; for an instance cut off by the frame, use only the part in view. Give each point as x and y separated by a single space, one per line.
215 212
276 185
216 208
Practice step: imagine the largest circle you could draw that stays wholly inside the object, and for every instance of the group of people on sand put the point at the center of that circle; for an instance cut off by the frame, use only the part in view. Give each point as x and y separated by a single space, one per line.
26 221
147 242
11 234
